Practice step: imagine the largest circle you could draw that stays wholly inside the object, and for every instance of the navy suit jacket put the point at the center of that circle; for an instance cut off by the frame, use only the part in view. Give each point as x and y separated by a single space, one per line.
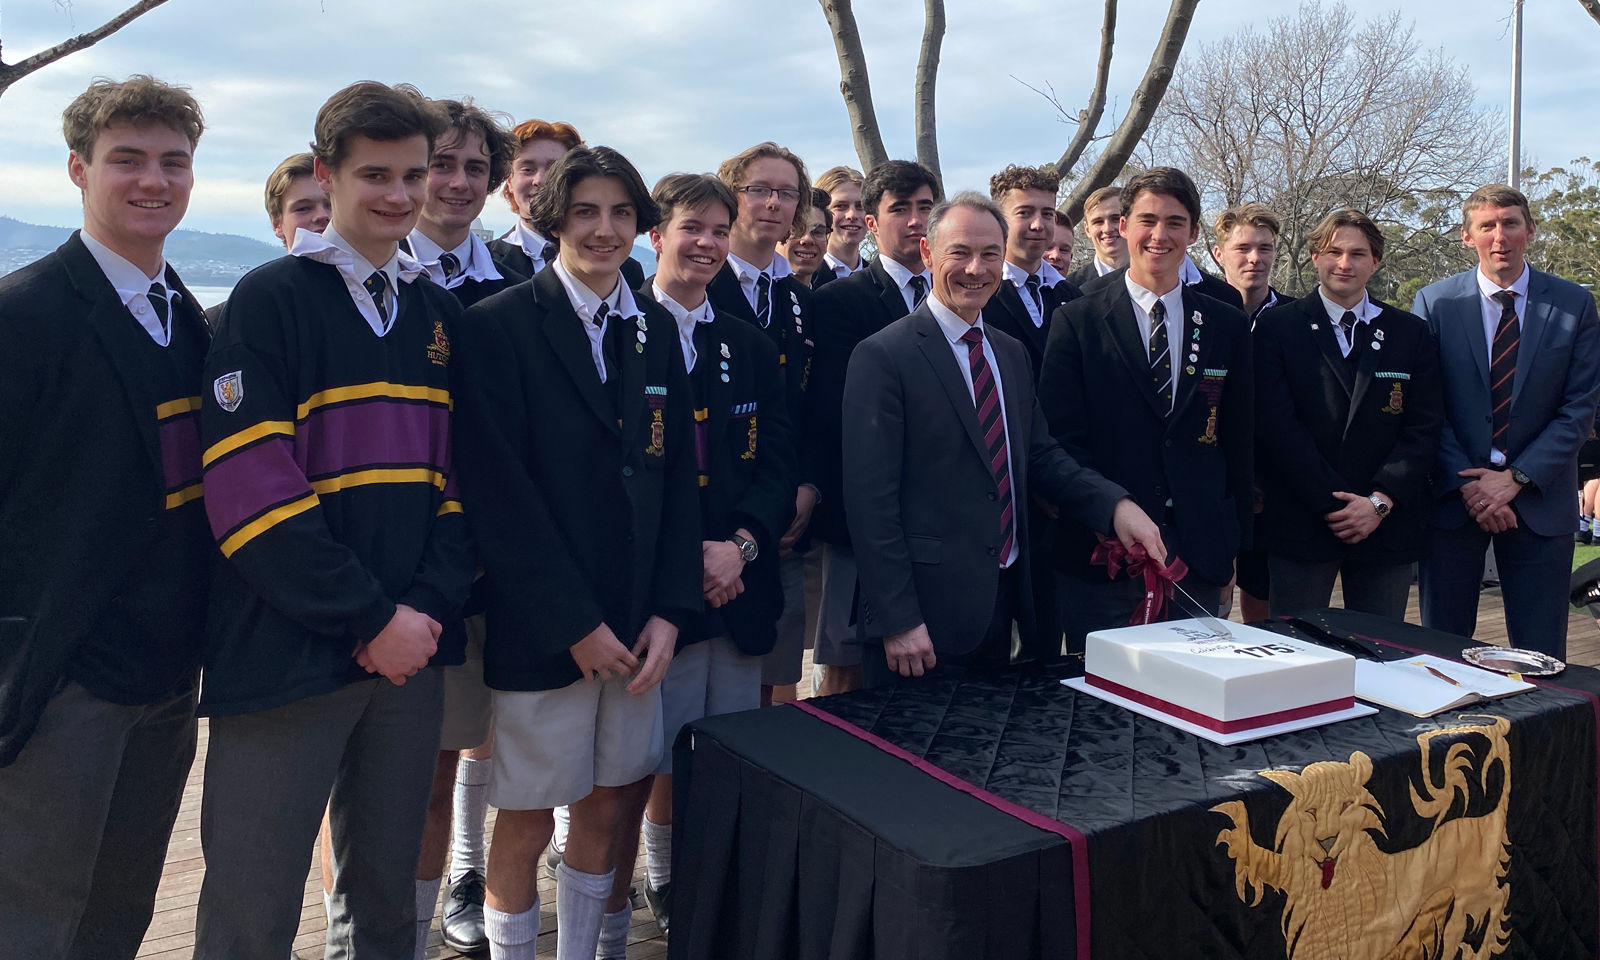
923 507
1552 398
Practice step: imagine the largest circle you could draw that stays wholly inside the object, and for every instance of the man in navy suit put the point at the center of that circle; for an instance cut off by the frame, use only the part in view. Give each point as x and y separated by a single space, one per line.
1519 354
941 553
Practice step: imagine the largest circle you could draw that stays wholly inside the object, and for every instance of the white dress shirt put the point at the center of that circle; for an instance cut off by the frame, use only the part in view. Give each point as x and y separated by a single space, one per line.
1100 268
1145 300
1491 323
586 303
133 287
329 247
839 267
747 273
1366 311
1049 276
472 254
686 319
901 275
530 240
953 328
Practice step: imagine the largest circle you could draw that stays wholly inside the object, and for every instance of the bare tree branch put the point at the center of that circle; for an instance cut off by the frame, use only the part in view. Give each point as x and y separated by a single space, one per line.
11 73
853 85
1089 119
927 75
1593 6
1145 100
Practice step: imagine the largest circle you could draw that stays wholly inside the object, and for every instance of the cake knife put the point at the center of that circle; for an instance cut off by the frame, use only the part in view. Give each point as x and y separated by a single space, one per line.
1192 607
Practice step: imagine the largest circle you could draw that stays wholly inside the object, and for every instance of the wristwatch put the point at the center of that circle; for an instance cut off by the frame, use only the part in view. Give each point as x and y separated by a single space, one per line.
747 548
1379 505
1522 478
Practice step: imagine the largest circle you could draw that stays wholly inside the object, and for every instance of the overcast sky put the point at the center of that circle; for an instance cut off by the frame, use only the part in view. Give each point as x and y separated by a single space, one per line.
680 84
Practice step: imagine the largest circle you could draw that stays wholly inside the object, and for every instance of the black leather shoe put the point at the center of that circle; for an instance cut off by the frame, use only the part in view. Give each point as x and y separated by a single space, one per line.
462 922
660 902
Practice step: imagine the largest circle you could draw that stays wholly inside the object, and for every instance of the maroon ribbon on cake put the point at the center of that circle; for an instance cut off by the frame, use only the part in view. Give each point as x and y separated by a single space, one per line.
1158 580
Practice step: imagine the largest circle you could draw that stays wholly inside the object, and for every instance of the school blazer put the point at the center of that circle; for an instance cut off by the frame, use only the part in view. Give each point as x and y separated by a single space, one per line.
751 478
846 312
1321 428
1006 312
790 330
923 506
1552 398
80 467
515 263
581 495
1097 392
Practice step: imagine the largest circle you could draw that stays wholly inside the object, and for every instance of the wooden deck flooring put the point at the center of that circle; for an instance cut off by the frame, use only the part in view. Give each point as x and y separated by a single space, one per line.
171 934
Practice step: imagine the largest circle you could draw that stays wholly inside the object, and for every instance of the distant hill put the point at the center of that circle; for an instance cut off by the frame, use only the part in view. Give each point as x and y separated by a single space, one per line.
204 259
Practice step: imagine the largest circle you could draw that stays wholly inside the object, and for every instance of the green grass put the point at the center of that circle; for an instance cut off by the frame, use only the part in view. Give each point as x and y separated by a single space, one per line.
1583 554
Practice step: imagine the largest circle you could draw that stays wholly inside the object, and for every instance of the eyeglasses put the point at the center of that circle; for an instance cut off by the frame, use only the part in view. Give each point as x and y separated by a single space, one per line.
760 192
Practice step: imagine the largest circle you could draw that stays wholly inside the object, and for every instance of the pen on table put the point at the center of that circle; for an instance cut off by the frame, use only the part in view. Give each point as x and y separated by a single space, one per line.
1442 676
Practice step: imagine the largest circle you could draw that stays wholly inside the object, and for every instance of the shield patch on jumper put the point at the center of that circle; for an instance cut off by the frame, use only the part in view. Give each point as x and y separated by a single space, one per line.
229 389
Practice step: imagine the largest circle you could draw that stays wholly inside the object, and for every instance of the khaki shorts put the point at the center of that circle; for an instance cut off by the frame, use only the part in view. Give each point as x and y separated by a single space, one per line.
468 713
706 679
553 747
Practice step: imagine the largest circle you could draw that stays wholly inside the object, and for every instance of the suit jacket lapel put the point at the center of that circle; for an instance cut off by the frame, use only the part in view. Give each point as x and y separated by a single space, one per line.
627 388
564 329
1535 320
719 395
1186 345
1130 343
894 305
1321 330
1365 366
1467 311
118 332
943 360
1010 298
729 295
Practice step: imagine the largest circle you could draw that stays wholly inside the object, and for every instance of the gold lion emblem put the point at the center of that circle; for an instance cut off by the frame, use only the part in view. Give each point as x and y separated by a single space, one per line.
1348 899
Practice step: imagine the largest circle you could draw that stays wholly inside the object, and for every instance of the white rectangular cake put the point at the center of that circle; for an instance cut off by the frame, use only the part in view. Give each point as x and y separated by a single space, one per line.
1248 681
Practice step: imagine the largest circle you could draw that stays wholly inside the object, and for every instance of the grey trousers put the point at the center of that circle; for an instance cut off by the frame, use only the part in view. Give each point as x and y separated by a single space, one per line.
86 812
1299 585
367 752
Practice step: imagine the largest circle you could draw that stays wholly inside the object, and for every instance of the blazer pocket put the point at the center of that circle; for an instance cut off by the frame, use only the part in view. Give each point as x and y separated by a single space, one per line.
924 549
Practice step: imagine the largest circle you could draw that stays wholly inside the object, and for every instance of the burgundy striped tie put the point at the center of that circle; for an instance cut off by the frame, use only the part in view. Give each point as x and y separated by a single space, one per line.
993 425
1503 367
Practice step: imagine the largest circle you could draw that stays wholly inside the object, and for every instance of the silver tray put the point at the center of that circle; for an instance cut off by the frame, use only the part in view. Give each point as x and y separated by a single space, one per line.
1530 663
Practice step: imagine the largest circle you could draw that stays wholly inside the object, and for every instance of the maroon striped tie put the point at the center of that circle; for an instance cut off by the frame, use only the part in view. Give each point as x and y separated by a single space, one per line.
1503 367
987 401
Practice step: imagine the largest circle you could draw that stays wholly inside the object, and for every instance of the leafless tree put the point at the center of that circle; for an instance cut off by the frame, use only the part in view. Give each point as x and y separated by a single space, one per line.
1317 111
1593 6
857 92
12 72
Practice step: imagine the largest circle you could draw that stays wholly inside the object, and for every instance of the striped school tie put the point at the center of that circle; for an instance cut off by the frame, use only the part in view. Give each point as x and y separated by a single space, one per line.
1160 353
1503 366
990 421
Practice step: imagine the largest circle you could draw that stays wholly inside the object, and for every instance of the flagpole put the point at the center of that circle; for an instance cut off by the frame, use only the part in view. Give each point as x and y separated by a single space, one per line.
1514 161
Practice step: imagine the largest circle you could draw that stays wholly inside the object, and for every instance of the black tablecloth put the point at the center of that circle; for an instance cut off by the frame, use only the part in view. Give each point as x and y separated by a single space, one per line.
799 839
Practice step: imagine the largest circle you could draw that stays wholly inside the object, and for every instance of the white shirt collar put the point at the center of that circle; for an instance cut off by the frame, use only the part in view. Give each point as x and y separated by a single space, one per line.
1048 275
1365 311
1188 273
472 254
1102 268
530 240
1488 288
133 287
747 272
840 268
901 274
1147 298
950 323
330 248
686 320
586 302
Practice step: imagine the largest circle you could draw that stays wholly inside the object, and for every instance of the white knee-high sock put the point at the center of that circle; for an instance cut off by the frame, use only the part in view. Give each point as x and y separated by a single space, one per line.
512 936
471 802
427 899
614 935
558 842
580 903
657 852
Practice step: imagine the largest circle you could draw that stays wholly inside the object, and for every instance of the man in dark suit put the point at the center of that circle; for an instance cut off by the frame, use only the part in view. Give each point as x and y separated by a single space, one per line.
1348 412
1102 218
941 556
744 452
104 546
1519 354
1149 382
1246 248
576 451
899 195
